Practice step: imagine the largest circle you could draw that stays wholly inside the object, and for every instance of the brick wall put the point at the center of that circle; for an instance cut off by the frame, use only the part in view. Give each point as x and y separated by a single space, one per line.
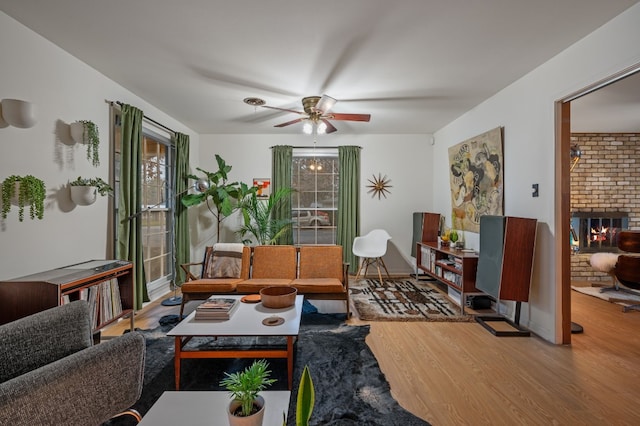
606 179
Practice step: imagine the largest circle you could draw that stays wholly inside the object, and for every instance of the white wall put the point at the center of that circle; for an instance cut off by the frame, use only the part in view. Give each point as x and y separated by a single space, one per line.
526 110
405 159
64 90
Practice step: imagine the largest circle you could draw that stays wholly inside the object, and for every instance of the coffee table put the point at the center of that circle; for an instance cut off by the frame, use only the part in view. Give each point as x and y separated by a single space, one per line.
245 321
208 408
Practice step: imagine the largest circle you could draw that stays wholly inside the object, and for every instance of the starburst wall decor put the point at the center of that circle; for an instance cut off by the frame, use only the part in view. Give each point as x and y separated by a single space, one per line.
379 186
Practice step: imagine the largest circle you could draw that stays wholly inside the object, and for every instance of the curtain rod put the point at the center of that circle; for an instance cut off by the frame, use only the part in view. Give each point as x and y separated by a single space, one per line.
317 147
146 117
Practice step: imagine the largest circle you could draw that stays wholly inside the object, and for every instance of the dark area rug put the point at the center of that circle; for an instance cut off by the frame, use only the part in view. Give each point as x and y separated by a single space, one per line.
403 300
350 388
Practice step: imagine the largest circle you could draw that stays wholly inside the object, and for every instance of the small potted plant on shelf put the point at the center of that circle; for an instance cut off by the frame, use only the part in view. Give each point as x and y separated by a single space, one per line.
84 190
86 132
245 387
23 191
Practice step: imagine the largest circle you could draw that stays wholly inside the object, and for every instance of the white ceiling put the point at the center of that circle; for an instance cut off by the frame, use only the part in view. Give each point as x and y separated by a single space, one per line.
414 65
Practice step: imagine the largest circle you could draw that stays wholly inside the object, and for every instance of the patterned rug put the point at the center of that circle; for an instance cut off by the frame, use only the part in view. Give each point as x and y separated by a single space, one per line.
403 300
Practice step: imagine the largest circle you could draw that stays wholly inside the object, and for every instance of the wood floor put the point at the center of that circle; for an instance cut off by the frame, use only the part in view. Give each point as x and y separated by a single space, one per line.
460 374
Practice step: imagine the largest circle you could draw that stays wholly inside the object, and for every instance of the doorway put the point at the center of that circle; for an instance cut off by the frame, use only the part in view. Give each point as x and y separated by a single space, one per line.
617 97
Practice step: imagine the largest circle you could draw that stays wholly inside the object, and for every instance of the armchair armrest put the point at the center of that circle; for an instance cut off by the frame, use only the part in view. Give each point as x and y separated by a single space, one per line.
87 387
186 267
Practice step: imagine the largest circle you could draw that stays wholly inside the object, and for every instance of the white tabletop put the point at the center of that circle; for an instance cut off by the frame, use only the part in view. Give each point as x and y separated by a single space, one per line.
209 408
246 320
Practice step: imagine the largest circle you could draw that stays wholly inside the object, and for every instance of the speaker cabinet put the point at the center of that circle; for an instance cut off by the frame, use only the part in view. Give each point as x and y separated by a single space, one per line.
505 262
426 227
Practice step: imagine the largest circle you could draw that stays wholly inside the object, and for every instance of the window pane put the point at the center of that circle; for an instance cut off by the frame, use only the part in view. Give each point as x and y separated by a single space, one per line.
315 202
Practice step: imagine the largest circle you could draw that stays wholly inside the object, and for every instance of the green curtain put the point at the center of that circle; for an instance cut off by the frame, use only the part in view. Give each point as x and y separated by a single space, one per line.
281 163
181 217
348 202
129 215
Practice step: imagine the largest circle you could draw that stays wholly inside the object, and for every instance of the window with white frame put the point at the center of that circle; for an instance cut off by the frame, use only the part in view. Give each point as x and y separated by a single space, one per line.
315 200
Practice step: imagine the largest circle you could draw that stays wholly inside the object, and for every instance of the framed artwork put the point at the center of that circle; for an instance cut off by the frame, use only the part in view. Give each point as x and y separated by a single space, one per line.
264 187
476 179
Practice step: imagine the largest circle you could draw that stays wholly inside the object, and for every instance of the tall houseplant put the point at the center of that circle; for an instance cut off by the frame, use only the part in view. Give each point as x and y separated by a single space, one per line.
225 196
245 387
258 217
23 191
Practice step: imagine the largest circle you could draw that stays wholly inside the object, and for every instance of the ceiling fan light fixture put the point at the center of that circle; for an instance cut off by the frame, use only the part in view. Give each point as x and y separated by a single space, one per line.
307 128
322 128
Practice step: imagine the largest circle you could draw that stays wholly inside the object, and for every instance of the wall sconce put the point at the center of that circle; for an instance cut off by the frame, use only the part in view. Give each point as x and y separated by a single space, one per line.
17 113
576 153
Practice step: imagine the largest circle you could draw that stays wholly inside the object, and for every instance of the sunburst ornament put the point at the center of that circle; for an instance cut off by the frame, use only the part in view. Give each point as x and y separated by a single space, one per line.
379 186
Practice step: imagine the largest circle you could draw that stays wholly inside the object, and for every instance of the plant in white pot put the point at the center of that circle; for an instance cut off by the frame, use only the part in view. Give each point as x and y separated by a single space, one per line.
247 406
86 132
84 190
23 191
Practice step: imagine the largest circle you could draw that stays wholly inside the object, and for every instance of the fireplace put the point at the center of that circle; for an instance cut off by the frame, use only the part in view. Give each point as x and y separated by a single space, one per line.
597 231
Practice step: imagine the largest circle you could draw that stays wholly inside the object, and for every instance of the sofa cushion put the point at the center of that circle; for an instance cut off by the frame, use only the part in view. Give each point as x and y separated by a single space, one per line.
274 262
318 285
321 262
211 285
254 285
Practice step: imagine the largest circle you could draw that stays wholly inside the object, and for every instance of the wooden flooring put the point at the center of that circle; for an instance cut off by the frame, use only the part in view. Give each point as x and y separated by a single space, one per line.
460 374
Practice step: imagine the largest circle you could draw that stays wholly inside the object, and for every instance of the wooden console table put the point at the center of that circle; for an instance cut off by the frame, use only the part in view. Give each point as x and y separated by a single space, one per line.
107 285
455 268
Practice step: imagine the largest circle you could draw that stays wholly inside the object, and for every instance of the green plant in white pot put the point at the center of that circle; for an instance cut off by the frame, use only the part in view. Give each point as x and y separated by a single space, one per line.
84 190
23 191
245 387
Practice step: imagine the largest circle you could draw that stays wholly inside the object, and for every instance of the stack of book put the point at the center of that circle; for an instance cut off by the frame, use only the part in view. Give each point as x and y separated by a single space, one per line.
216 308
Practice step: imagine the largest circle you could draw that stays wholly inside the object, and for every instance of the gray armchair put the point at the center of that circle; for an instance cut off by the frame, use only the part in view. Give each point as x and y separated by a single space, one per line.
52 374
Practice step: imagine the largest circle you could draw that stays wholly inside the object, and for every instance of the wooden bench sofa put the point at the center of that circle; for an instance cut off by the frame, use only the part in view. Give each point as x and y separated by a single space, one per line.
317 272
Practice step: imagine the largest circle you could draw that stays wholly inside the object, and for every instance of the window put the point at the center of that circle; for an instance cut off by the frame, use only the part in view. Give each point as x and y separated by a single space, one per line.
157 209
315 200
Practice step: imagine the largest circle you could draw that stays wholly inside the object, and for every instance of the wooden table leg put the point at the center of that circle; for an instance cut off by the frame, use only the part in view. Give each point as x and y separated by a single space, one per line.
177 360
290 360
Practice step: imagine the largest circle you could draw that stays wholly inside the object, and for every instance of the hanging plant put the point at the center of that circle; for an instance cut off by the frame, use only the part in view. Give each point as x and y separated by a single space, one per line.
101 186
25 191
92 139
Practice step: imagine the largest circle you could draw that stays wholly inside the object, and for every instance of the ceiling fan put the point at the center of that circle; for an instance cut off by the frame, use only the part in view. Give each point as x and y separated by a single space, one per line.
316 114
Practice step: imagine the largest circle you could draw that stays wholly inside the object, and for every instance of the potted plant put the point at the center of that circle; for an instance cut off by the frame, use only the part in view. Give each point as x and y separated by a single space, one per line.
225 196
86 132
23 191
84 190
258 217
245 387
306 398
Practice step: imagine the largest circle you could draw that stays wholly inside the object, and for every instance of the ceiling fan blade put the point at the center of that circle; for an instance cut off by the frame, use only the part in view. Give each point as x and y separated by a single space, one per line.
330 127
284 109
349 117
325 104
297 120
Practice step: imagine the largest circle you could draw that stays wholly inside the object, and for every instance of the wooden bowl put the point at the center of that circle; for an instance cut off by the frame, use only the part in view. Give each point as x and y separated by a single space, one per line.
278 297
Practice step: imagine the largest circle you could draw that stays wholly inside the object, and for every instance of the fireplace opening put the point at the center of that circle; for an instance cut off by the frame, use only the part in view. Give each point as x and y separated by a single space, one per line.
597 231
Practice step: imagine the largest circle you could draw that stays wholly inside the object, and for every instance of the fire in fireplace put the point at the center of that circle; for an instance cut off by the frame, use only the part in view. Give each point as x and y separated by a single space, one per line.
597 231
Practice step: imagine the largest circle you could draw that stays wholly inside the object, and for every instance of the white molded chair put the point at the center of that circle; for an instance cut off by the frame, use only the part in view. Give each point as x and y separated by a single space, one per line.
370 248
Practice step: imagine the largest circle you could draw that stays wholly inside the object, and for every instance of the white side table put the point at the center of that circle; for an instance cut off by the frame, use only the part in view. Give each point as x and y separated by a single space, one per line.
208 408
